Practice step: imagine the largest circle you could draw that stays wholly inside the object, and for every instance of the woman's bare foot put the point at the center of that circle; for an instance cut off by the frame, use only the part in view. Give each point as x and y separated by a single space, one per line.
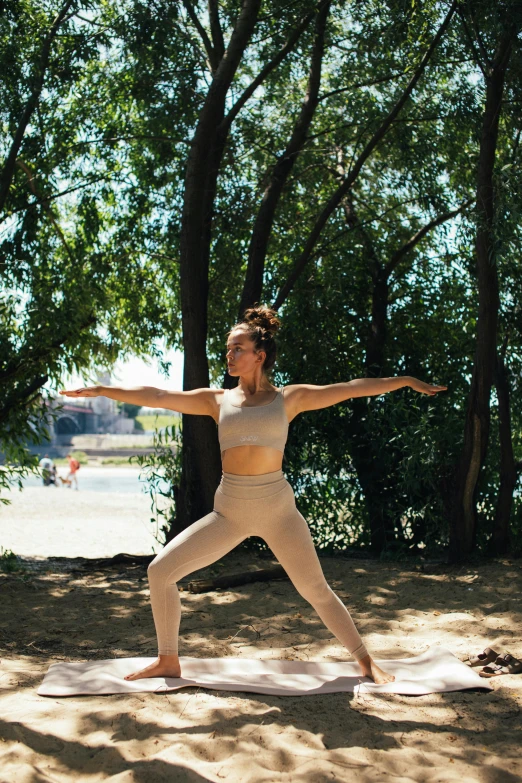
370 669
165 666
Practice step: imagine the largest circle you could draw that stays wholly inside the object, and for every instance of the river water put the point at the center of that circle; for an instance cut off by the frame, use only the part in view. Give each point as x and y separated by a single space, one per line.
109 514
105 479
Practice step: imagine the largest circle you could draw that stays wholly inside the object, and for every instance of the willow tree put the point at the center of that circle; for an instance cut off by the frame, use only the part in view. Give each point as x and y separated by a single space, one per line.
188 159
493 32
72 297
265 101
201 466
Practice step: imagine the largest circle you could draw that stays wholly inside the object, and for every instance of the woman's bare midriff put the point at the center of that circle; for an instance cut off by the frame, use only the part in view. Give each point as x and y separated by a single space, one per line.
251 460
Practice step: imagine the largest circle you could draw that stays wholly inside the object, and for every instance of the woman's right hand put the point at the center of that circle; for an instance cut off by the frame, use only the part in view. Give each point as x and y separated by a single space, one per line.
85 391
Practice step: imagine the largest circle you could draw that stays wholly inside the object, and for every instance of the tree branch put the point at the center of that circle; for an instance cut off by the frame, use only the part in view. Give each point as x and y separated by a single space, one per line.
343 189
45 204
416 238
482 48
352 220
19 395
213 59
269 67
361 224
112 139
215 29
8 170
409 120
55 196
12 368
476 55
265 217
362 84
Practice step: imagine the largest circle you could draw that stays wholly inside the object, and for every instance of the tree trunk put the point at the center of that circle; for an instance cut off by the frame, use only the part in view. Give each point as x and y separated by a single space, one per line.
265 217
200 451
201 465
381 525
500 541
376 343
373 475
463 513
253 285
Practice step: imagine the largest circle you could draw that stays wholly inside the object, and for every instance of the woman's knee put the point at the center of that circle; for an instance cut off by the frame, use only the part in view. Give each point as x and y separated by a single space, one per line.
163 569
152 567
317 592
153 570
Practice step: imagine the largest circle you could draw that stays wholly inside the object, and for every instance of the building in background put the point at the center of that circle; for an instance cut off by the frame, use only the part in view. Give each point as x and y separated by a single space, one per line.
70 419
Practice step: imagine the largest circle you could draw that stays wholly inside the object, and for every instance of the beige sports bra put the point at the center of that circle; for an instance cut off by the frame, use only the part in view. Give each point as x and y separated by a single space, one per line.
259 425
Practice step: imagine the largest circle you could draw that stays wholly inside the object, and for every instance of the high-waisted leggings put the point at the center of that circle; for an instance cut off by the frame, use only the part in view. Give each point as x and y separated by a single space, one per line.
245 506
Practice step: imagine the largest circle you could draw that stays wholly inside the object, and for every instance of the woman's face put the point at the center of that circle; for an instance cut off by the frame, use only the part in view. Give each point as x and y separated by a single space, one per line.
241 356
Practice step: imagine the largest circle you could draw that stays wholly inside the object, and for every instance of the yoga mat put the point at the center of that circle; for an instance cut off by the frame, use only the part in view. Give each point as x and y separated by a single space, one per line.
435 671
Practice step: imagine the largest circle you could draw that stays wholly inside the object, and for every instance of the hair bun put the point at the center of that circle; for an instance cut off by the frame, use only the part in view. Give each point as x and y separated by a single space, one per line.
262 316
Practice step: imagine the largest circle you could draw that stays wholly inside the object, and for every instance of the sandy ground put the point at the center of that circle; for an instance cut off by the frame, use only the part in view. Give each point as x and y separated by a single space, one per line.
199 735
45 521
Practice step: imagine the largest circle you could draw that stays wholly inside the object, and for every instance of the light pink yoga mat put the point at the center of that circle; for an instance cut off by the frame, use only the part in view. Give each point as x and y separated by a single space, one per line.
434 671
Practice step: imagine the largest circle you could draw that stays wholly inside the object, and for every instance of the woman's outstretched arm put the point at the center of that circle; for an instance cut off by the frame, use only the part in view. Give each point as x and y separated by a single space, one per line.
306 397
200 402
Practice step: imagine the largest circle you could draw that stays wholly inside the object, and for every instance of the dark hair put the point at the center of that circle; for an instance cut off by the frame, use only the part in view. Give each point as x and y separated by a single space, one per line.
261 323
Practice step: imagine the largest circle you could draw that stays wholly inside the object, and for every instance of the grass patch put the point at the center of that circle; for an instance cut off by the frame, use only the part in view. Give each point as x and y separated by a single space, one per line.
116 461
135 446
9 562
157 422
81 456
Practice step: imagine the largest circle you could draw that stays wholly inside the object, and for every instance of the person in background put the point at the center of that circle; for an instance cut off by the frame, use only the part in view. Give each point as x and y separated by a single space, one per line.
46 464
53 475
74 467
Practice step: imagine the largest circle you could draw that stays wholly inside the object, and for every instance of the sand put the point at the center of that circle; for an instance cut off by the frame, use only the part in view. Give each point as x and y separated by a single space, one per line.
62 611
199 735
45 521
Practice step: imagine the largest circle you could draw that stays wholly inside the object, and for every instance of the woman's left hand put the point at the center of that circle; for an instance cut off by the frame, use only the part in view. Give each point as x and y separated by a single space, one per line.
426 388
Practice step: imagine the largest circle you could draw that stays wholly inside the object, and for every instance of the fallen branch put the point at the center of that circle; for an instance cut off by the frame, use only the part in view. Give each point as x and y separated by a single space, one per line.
233 580
119 559
129 559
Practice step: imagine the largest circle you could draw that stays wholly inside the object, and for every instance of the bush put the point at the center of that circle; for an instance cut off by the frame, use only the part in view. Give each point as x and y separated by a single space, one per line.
9 562
162 471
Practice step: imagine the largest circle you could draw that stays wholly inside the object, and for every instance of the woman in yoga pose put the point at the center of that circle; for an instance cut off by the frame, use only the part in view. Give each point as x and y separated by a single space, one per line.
253 498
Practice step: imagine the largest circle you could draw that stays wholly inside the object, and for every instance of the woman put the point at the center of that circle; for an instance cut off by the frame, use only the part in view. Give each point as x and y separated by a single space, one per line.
253 497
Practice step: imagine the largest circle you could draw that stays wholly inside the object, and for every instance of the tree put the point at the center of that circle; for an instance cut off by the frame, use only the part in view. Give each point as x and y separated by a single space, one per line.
502 31
201 466
184 161
200 452
70 299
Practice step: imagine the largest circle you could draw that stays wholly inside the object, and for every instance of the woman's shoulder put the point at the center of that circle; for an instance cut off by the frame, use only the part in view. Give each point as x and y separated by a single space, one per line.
291 389
221 395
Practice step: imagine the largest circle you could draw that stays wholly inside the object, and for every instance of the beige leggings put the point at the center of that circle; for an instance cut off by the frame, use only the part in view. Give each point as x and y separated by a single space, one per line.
245 506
